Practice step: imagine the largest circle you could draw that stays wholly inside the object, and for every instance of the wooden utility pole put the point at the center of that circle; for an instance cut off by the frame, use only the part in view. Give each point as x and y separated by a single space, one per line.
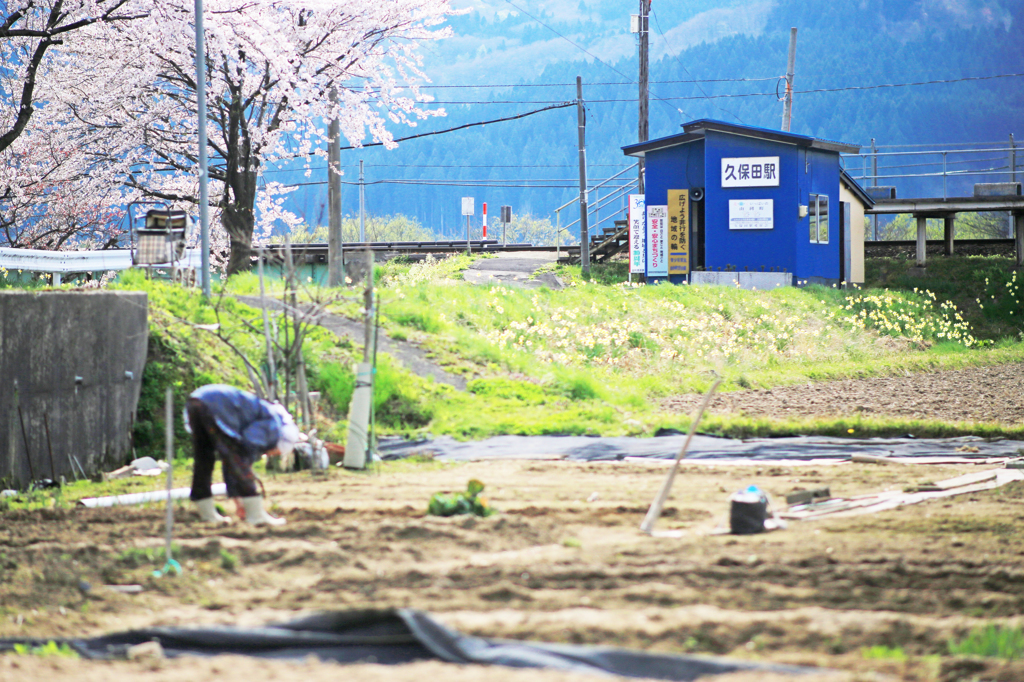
335 241
643 98
787 110
581 116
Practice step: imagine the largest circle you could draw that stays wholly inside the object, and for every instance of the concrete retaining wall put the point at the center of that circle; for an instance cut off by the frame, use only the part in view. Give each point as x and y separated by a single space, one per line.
74 358
744 280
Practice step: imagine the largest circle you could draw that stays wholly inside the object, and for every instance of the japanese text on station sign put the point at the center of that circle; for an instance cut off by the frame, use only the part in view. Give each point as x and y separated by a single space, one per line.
751 171
636 233
657 235
678 232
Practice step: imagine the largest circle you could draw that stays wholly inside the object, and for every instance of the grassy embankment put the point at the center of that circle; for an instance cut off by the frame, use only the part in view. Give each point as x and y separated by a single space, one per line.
600 357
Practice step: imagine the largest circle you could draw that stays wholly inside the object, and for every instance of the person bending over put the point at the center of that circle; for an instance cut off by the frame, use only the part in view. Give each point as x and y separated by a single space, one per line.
236 427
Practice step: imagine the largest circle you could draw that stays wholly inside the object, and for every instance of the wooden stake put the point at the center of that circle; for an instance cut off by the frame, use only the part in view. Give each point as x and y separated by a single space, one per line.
659 502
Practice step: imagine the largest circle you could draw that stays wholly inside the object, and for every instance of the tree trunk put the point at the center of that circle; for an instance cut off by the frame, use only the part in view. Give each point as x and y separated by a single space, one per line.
238 221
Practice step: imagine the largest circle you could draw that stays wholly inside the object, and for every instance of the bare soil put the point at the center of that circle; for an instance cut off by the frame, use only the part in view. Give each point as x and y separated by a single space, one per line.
976 394
563 561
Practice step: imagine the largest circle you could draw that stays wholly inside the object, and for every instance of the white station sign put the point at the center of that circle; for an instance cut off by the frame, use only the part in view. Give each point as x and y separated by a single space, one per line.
467 206
751 171
657 236
751 214
636 233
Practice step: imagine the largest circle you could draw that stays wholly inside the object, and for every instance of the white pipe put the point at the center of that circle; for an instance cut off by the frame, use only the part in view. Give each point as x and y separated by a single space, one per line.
142 498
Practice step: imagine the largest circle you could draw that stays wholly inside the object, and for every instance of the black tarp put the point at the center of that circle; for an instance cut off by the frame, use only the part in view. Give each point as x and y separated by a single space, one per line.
402 636
592 449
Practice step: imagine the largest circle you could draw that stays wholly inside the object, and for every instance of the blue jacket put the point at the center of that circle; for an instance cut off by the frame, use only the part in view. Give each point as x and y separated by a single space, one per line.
241 416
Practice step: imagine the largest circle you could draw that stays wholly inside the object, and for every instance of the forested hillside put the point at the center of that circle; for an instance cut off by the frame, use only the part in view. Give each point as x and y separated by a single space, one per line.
532 161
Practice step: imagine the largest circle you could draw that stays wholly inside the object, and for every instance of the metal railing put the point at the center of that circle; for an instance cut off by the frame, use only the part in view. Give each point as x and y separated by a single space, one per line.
617 193
871 173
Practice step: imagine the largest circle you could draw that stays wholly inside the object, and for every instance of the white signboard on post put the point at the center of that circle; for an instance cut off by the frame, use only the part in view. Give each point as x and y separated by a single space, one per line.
750 171
657 235
467 206
751 214
636 233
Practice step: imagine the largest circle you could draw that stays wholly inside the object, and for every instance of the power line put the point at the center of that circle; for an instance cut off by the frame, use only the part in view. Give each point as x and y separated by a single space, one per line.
753 94
412 165
560 105
497 86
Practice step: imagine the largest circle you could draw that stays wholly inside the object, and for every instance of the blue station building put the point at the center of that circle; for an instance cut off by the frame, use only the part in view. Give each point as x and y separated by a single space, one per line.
759 200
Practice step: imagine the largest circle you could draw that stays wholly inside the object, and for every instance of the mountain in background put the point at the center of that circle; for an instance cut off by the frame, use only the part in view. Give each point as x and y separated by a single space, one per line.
534 159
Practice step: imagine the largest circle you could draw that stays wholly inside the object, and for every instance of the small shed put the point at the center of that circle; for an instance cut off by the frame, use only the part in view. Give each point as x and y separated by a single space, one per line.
756 200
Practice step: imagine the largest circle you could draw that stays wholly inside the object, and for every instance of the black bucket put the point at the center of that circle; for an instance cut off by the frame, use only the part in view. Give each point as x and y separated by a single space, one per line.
748 511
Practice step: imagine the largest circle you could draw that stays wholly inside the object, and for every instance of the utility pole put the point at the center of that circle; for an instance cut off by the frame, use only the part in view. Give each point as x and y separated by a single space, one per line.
581 116
362 204
787 110
204 192
335 240
642 130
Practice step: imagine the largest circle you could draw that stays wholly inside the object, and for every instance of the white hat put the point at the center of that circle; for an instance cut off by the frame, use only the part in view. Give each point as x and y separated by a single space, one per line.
289 433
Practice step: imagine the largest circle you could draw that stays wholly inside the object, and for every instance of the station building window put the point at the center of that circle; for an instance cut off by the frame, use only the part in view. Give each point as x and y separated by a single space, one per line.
818 212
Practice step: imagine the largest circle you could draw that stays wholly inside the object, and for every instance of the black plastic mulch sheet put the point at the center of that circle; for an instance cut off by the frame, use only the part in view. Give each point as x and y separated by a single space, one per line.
593 449
403 636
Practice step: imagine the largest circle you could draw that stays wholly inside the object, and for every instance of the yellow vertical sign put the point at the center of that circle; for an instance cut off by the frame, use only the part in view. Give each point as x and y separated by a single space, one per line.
678 231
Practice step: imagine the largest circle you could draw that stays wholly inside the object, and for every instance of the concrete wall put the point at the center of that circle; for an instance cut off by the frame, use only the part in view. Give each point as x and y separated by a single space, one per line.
47 340
759 281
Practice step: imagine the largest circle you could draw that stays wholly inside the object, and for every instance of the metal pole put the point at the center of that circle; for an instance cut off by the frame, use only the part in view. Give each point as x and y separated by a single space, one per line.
943 175
469 247
362 205
874 183
1013 160
558 234
204 196
335 239
643 98
169 432
271 367
1013 178
581 117
787 109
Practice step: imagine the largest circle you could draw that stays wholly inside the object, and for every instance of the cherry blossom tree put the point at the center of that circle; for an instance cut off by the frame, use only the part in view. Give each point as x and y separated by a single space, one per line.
126 92
28 31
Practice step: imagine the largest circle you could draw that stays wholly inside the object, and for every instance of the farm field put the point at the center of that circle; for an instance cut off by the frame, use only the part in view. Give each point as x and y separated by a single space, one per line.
562 561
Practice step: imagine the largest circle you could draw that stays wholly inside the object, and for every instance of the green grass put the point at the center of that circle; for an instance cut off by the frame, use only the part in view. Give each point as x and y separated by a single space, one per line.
882 652
986 289
992 641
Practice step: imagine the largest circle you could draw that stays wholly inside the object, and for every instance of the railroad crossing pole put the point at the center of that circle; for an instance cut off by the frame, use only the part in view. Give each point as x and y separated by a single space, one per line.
581 116
787 109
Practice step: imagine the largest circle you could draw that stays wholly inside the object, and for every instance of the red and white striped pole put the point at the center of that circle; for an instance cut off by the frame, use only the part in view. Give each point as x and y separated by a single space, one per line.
485 220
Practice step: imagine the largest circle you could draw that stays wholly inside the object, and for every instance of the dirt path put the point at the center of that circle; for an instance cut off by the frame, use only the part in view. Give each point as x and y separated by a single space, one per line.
979 394
516 268
413 357
562 561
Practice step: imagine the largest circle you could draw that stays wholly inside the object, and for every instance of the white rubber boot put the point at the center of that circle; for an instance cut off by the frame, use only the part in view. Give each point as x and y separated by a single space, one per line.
256 514
208 512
